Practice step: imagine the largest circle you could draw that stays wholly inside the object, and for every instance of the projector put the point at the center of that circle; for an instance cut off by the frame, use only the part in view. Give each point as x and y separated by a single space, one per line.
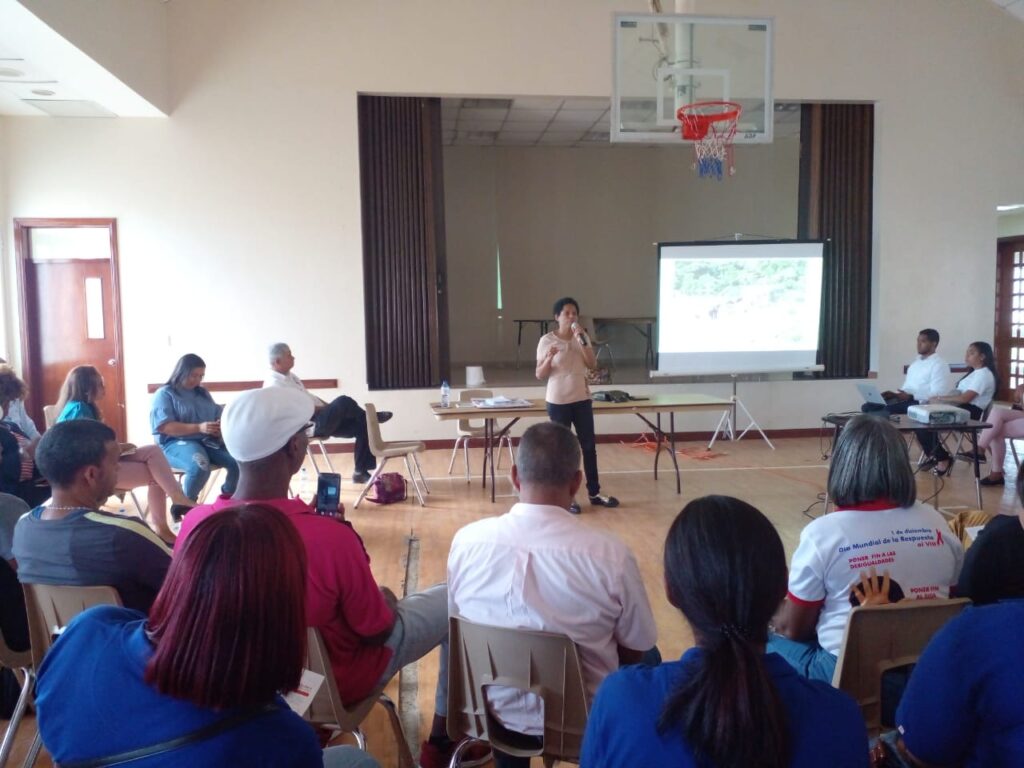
938 414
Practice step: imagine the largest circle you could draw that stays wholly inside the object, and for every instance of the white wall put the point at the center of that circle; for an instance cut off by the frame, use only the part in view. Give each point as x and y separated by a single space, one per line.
239 216
583 221
1011 224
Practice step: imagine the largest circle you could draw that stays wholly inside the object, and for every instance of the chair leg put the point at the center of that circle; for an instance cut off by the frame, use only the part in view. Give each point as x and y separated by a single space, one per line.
465 454
327 456
312 458
507 439
455 450
416 461
369 483
33 751
16 717
405 759
415 481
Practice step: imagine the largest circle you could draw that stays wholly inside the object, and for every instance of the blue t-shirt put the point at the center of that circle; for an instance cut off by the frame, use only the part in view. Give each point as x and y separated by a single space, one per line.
963 705
189 406
77 409
826 725
92 702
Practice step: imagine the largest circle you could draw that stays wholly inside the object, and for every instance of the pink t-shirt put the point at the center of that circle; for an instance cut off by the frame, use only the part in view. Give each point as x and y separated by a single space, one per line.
567 382
343 600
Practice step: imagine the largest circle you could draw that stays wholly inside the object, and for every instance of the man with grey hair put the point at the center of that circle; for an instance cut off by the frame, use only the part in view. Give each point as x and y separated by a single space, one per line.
539 567
342 417
878 528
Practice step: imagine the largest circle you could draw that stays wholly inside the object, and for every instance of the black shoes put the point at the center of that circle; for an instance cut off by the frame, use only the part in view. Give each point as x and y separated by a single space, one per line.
360 478
574 508
178 511
602 500
992 480
383 416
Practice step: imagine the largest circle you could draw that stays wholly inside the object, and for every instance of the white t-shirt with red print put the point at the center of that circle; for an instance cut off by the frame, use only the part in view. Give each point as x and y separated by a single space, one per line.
914 544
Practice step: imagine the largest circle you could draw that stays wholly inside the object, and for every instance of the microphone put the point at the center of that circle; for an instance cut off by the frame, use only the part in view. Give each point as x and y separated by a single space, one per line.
582 335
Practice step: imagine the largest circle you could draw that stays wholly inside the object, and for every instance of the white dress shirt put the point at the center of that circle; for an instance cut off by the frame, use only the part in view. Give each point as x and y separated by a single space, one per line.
291 381
538 567
927 377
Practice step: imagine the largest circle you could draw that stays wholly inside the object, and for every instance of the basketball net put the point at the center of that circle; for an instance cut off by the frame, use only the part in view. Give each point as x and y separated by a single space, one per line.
711 126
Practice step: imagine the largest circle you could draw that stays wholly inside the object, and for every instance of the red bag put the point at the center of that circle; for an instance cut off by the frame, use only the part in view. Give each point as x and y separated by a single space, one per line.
388 488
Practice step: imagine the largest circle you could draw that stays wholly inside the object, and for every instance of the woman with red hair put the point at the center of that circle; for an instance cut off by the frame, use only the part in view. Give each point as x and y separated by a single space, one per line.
198 683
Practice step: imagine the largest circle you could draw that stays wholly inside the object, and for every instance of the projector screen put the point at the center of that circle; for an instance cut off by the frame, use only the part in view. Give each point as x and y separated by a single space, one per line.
738 307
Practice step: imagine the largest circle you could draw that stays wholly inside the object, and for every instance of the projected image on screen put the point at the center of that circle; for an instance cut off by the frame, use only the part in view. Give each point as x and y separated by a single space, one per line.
739 307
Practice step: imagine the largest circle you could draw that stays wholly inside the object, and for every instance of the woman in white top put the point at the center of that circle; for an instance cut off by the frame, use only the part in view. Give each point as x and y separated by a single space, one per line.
563 357
973 393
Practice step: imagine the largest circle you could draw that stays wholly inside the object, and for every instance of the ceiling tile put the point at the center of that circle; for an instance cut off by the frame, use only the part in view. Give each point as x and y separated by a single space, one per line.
537 102
587 103
479 125
482 114
530 115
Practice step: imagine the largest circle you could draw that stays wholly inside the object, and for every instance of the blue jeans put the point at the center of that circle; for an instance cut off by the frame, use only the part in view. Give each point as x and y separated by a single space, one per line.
421 625
809 659
195 460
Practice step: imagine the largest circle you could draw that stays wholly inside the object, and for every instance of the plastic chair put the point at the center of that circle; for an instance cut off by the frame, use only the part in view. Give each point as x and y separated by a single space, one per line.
467 430
50 608
22 661
388 450
50 415
883 637
544 663
600 345
327 708
956 453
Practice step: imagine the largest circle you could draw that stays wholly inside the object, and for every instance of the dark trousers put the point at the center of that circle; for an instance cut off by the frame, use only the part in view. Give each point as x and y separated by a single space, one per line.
580 415
929 439
342 417
892 408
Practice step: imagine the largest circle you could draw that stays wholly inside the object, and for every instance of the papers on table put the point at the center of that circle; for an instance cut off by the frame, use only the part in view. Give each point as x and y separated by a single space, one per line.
501 402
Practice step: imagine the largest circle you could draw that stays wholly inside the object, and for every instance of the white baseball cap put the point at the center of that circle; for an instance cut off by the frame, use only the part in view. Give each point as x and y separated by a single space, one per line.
261 421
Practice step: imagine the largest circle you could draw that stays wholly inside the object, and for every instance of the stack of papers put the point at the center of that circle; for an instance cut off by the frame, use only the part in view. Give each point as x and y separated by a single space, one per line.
501 402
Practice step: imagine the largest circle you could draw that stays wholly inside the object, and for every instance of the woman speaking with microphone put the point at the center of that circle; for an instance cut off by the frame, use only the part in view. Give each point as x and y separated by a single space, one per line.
563 357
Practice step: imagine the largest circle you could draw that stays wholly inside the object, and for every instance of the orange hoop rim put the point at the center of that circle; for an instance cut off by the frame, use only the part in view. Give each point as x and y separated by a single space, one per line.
695 124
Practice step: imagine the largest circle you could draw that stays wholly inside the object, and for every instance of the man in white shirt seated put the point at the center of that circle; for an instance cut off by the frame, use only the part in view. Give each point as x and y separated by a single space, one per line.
342 417
927 377
538 567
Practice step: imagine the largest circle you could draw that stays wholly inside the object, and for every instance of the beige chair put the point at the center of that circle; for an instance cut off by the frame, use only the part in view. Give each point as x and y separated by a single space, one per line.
328 710
883 637
467 430
544 663
388 450
50 608
20 661
600 345
50 415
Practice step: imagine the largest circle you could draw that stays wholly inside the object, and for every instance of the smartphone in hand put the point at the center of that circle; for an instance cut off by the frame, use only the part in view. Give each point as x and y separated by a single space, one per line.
328 493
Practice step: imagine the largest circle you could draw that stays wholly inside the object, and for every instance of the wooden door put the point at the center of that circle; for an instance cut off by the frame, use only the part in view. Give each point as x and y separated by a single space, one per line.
70 309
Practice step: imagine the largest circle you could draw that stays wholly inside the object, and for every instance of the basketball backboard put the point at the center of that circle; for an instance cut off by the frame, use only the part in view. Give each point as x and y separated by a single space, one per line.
662 62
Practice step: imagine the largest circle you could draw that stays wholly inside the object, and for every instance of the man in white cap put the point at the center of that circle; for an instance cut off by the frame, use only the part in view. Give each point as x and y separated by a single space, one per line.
370 634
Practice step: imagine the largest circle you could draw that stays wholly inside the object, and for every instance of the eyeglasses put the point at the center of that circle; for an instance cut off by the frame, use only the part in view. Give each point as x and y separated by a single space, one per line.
309 429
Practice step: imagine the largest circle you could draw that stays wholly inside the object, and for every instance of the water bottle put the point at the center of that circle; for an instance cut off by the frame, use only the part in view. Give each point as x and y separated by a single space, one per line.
304 491
446 395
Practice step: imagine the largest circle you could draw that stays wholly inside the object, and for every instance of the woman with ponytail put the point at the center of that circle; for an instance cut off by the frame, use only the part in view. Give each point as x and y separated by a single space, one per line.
724 704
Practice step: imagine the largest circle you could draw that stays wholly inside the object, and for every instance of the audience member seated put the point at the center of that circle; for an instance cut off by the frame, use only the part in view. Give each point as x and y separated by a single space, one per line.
974 392
16 412
71 541
725 702
342 417
926 377
186 424
226 634
13 624
539 567
963 704
992 565
370 635
18 474
877 523
142 465
1007 424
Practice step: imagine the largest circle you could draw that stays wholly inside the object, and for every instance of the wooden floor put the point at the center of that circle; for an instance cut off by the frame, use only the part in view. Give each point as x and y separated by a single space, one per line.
786 484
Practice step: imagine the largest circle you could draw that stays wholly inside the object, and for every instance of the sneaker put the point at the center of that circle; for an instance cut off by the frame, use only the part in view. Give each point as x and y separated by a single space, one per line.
601 500
360 478
434 756
383 416
574 508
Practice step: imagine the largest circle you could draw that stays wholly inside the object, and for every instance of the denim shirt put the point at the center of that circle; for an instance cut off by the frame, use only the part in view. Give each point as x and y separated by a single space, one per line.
188 406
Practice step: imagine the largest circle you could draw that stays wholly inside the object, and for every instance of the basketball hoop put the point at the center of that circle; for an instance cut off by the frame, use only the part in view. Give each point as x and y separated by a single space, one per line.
711 126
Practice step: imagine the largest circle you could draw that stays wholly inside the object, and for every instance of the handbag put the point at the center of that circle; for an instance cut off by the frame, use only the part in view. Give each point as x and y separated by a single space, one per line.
200 734
388 488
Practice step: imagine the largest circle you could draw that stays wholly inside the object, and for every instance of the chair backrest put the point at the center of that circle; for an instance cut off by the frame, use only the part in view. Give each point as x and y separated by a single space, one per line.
466 396
50 415
50 608
883 637
373 435
327 707
545 663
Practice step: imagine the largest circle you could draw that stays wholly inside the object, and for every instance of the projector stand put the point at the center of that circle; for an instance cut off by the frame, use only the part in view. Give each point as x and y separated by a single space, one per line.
727 424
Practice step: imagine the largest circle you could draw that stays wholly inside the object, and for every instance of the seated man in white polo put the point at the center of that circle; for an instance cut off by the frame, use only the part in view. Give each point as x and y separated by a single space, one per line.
926 377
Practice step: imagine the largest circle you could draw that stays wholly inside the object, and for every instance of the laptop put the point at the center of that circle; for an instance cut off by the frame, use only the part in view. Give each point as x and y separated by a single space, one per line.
871 394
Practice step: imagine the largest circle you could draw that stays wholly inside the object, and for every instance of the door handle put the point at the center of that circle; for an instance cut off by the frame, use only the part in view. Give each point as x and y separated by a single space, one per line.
112 362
